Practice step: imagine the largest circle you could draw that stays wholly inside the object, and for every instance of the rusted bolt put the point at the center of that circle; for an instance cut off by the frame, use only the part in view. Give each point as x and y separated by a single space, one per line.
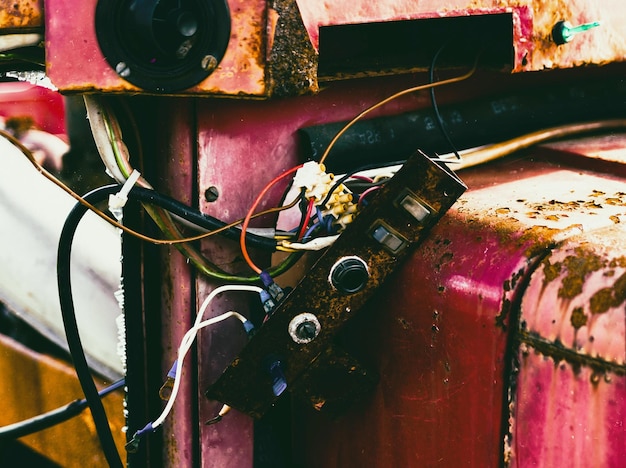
211 194
208 63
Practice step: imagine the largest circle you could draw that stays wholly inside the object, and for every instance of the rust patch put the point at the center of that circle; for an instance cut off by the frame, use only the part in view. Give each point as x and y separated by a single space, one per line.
292 61
578 318
618 262
539 238
577 267
551 271
607 298
21 14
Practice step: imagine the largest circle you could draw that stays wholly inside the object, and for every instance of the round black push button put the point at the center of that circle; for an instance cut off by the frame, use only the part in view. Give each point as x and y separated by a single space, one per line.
349 275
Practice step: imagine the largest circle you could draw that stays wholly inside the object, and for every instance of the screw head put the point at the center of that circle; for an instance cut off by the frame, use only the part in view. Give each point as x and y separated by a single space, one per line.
211 194
304 328
208 63
122 69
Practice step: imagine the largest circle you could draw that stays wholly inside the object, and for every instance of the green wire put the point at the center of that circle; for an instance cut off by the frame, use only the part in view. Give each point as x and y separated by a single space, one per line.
164 222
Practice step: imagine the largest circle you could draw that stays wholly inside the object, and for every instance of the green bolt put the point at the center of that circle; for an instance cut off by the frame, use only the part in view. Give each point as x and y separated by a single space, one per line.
563 31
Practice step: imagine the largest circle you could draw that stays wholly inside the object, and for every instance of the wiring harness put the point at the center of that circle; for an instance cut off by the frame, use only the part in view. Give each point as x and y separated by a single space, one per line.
325 205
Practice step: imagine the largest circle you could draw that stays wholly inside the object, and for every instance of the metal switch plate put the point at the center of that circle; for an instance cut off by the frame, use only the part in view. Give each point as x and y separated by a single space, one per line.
245 384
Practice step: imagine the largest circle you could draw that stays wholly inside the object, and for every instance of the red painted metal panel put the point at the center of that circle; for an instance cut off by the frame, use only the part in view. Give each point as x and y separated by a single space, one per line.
438 336
533 23
178 297
76 64
440 341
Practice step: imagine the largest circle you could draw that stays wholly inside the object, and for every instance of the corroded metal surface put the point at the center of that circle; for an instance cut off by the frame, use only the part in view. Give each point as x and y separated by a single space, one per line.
256 64
533 44
75 62
571 377
16 15
440 345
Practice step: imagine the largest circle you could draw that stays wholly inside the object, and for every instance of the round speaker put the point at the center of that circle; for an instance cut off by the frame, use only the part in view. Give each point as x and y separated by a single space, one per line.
163 46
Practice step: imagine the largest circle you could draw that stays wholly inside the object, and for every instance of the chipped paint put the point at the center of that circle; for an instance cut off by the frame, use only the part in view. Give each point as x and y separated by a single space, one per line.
576 297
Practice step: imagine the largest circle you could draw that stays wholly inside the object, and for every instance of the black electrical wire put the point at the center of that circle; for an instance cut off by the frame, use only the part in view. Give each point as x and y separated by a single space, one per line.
70 325
440 123
197 217
349 174
53 417
67 303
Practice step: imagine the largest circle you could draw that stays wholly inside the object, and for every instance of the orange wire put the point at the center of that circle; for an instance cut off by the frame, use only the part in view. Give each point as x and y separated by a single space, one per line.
246 220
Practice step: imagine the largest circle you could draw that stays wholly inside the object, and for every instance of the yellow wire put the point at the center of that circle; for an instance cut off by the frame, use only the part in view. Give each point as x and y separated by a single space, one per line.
391 98
497 150
112 221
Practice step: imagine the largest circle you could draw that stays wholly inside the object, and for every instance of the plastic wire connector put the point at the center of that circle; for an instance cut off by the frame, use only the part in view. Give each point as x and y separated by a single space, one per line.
118 200
268 302
248 326
133 444
271 287
166 389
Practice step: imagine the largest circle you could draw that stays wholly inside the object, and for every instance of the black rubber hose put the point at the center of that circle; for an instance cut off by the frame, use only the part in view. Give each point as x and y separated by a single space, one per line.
474 123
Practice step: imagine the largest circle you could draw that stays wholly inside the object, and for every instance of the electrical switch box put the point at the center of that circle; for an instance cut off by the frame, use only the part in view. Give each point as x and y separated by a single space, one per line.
295 349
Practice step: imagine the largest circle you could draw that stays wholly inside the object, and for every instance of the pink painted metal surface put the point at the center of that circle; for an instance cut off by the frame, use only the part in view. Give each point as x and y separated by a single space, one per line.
569 406
565 416
76 64
438 336
533 21
178 298
434 394
242 145
46 107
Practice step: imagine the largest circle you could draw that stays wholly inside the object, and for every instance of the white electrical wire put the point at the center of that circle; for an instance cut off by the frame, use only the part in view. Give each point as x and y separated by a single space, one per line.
191 334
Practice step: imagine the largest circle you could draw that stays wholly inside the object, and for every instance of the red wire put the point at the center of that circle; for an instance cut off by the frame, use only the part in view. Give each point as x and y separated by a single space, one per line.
366 193
246 220
307 218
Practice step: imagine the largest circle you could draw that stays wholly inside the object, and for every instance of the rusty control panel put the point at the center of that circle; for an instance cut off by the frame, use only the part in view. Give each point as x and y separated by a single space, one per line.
295 345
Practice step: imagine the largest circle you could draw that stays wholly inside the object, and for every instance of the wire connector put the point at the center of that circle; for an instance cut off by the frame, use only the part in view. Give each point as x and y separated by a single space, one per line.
133 444
118 200
166 389
248 326
271 287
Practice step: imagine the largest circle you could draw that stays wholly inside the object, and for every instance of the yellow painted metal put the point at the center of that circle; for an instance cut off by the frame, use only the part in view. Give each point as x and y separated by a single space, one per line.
20 14
34 383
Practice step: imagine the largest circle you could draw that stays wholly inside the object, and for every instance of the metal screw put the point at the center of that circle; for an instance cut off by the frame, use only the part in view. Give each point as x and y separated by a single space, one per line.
122 70
306 331
208 63
211 194
304 328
